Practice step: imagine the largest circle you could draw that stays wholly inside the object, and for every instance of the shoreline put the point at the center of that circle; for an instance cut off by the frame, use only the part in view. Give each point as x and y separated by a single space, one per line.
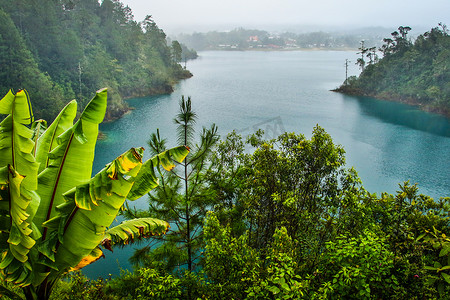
280 49
167 89
393 98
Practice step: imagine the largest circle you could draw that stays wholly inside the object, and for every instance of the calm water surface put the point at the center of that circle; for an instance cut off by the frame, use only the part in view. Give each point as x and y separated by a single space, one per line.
386 142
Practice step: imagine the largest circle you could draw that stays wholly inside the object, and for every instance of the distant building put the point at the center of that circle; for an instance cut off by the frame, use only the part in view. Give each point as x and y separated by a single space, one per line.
253 38
290 42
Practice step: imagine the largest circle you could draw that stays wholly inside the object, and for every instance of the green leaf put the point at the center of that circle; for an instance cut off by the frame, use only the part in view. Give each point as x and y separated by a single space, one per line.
275 290
19 240
82 229
18 106
16 145
444 268
70 161
6 103
47 141
7 259
48 247
15 265
444 251
446 277
285 286
132 230
95 255
146 179
430 280
96 109
10 294
38 128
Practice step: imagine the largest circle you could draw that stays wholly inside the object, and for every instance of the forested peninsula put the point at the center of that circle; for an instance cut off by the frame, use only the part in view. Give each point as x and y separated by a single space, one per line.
416 73
64 50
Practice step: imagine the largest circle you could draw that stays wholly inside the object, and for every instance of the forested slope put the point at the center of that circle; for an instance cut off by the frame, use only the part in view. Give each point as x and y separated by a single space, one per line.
413 72
64 49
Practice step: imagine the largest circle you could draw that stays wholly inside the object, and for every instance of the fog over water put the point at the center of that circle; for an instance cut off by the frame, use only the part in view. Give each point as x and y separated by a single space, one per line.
175 16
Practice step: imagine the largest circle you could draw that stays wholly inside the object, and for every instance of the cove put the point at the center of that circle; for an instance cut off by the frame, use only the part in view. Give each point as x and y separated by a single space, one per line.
386 142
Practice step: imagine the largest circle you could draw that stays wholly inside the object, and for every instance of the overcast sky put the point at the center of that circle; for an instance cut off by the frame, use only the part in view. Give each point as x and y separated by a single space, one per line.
203 15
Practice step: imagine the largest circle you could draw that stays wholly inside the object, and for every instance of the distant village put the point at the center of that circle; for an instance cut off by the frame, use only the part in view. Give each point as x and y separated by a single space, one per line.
243 39
275 43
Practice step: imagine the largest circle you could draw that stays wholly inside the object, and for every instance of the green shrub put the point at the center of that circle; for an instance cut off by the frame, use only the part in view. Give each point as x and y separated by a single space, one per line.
356 268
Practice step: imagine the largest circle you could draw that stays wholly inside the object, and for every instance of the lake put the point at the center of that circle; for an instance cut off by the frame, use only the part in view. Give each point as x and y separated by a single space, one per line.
386 142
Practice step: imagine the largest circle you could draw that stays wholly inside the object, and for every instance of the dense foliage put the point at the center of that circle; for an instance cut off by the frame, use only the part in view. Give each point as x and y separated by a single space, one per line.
286 220
413 72
63 49
53 215
182 198
251 219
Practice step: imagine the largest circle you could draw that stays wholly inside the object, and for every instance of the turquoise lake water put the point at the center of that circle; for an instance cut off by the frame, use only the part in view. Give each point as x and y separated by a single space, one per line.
386 142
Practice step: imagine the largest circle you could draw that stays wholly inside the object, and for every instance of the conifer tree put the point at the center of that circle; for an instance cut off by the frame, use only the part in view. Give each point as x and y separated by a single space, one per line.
183 197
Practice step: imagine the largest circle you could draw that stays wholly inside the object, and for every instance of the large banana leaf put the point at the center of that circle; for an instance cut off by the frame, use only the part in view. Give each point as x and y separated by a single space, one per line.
90 208
70 162
123 234
46 142
5 292
15 263
41 238
15 138
95 255
18 172
129 231
146 179
19 240
19 105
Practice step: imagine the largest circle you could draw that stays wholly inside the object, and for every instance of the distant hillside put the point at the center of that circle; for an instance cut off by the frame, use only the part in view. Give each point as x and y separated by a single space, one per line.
416 72
68 49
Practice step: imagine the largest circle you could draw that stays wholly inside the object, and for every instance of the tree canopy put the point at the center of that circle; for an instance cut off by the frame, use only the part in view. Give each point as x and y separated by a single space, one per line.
288 220
413 72
66 48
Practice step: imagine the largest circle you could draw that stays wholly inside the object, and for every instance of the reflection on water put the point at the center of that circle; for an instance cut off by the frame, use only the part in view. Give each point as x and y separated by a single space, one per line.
405 115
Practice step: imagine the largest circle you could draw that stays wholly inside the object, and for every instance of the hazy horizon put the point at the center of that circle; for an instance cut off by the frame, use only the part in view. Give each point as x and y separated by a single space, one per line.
176 16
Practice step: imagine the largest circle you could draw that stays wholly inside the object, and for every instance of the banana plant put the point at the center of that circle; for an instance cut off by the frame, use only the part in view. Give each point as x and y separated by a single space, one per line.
55 218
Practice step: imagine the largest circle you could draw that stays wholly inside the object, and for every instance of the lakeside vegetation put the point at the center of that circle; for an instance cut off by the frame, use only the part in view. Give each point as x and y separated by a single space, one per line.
62 50
414 72
53 215
251 218
257 219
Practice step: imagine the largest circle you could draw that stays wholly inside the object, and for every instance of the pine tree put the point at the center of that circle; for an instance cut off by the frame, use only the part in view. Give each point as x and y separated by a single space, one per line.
182 198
